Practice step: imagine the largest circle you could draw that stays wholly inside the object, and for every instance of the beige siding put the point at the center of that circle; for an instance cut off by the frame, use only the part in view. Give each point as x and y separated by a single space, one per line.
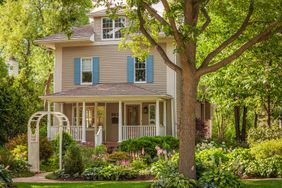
113 66
97 29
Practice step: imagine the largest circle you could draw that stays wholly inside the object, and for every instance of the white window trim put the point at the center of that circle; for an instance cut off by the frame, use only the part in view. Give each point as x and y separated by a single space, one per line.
140 82
114 37
81 71
149 119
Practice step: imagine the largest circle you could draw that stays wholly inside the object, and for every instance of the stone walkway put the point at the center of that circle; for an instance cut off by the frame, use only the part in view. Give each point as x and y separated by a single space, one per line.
38 178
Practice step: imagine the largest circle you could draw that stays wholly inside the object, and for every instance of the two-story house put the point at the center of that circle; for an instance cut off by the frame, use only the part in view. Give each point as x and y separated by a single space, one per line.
105 91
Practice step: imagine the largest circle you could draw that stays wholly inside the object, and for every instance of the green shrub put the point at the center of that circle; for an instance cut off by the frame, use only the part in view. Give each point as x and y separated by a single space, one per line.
219 178
100 150
46 148
5 178
213 157
267 149
91 174
167 174
139 164
73 163
117 172
67 142
118 156
149 144
6 158
238 160
265 168
260 134
20 152
50 164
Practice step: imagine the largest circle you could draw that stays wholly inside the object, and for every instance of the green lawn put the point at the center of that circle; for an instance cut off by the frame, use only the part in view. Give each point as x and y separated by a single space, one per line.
246 184
86 185
263 184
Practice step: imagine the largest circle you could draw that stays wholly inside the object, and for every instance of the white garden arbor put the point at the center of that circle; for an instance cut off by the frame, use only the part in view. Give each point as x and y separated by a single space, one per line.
33 136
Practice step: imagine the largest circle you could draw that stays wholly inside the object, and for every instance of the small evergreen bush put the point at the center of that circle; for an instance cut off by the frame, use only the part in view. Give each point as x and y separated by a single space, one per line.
73 163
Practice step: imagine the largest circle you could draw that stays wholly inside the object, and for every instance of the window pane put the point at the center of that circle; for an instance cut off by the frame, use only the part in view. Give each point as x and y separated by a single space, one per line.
107 28
140 71
86 65
86 77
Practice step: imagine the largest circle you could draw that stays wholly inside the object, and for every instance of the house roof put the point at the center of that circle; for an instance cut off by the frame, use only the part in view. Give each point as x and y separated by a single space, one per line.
106 90
79 33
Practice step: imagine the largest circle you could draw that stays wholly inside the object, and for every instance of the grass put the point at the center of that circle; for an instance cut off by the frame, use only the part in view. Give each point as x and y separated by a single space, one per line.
273 183
85 185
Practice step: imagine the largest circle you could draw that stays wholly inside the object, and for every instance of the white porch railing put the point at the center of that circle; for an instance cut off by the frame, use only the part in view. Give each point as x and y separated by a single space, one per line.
99 136
135 131
75 131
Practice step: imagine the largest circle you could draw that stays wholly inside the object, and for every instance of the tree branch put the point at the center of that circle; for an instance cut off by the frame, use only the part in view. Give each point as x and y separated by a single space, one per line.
208 19
161 51
172 22
154 13
231 39
258 38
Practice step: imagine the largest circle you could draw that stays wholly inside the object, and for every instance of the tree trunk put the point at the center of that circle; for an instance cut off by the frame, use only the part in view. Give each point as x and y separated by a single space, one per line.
47 87
244 124
237 122
268 111
222 129
256 120
187 133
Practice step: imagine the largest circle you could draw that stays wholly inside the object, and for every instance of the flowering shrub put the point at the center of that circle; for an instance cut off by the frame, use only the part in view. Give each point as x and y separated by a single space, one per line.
20 152
260 134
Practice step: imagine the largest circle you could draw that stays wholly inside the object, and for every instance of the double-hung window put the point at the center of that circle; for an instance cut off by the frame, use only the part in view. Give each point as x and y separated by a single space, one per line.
111 29
140 71
86 71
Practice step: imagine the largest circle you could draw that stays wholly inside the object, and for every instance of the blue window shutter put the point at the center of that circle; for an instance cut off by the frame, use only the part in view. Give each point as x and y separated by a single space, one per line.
96 70
130 69
77 71
150 69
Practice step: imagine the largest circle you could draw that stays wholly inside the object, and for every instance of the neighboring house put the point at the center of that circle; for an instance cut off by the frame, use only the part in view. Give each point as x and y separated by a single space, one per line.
106 92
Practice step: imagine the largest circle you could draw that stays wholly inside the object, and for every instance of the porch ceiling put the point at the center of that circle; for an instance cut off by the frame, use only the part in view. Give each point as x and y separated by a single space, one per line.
105 93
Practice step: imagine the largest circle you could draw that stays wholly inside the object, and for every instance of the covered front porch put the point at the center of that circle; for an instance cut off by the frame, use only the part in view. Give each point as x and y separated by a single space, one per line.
112 119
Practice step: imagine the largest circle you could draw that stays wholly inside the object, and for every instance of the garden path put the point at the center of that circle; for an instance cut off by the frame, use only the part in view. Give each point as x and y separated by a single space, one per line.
38 178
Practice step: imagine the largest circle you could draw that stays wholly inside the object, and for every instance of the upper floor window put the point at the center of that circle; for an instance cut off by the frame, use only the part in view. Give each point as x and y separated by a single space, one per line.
86 71
112 28
140 71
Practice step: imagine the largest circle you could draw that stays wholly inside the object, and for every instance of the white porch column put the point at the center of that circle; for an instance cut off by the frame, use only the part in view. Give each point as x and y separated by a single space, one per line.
83 122
62 107
119 121
49 121
77 115
164 117
158 117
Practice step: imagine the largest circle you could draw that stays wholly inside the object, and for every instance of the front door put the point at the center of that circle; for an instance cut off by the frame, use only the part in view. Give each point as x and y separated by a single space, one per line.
133 114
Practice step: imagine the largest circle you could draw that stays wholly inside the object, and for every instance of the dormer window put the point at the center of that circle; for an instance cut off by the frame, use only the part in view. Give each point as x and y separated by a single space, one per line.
86 70
140 71
111 29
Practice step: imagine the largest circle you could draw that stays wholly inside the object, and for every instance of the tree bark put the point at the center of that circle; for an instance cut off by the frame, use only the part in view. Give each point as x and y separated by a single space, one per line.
244 124
237 122
187 135
222 129
256 120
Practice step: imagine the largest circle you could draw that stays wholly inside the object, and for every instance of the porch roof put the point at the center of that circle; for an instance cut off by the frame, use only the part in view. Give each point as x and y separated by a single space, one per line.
105 92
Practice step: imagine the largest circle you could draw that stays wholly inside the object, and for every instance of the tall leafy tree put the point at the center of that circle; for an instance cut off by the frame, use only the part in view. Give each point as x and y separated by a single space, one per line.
208 35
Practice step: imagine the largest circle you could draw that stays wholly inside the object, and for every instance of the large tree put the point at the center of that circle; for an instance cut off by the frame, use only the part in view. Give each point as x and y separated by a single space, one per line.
193 24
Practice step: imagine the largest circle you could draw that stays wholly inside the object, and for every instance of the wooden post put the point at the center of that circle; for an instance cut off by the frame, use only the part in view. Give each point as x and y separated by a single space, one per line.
158 117
83 122
120 121
164 117
77 114
49 122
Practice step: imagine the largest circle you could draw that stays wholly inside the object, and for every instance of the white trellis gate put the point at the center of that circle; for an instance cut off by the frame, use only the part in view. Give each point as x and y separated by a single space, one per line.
33 137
